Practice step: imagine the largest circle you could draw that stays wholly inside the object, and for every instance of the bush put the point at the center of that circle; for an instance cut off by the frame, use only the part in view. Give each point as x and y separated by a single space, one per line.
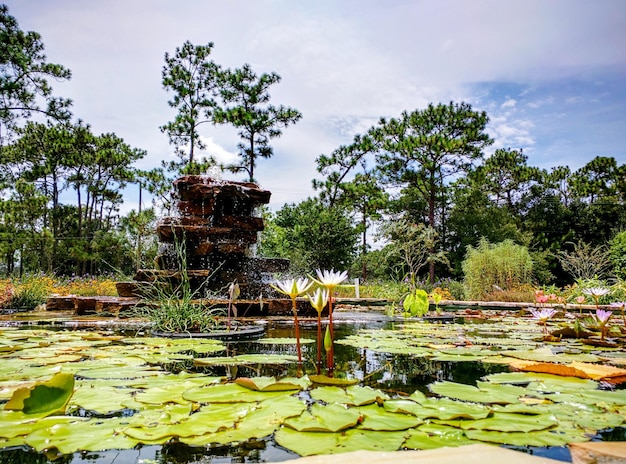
504 266
32 291
617 254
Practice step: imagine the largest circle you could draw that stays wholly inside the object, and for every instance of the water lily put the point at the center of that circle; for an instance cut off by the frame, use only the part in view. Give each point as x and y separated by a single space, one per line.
596 293
543 315
294 288
330 280
621 305
602 318
319 300
540 297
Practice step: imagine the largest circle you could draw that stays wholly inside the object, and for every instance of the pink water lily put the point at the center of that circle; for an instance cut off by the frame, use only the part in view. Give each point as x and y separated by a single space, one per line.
602 318
543 315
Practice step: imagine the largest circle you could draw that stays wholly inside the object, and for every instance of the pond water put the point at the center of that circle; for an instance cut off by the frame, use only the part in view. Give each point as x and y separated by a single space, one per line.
397 372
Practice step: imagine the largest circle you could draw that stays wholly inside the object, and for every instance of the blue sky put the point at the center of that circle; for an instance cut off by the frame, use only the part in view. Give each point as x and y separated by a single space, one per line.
551 74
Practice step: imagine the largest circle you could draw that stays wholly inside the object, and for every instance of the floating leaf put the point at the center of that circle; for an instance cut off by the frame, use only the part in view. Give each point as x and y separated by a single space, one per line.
443 408
93 435
310 443
283 341
500 394
325 380
271 384
228 393
43 397
377 418
352 395
423 440
245 359
542 438
505 422
330 418
574 369
102 399
260 422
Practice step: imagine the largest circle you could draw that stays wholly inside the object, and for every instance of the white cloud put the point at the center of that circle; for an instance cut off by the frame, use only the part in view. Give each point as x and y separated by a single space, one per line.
343 65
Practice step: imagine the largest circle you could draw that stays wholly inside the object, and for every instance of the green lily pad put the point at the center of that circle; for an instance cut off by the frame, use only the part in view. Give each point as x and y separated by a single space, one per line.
330 418
246 359
325 380
43 397
547 381
443 408
228 393
541 438
261 421
271 384
284 341
93 435
505 422
353 395
310 443
378 418
102 400
487 393
423 440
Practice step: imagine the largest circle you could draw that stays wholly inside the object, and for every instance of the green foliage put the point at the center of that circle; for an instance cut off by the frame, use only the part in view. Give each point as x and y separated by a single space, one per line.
311 235
617 254
32 291
177 308
25 75
415 303
194 80
505 265
245 96
411 246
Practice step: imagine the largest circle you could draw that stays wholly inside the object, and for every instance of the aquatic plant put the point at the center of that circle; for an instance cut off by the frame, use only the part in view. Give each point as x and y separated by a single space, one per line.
620 305
596 293
293 289
602 319
543 315
330 280
319 300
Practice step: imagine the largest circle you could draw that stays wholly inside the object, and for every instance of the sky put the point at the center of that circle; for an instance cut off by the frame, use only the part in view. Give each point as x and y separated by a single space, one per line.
551 74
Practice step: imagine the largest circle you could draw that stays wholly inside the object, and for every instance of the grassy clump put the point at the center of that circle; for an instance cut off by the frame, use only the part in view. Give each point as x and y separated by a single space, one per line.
501 267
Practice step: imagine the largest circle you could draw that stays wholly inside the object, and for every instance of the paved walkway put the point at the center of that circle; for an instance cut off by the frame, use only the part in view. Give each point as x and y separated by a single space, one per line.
470 454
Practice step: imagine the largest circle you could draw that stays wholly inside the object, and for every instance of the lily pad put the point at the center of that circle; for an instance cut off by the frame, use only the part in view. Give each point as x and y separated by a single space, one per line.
353 395
330 418
43 397
246 359
377 418
271 384
310 443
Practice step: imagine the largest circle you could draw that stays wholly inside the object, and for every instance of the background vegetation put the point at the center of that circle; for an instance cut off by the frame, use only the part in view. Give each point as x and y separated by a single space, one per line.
399 206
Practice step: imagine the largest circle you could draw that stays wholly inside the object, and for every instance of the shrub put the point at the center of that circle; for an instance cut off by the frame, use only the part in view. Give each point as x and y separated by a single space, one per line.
504 266
32 290
617 254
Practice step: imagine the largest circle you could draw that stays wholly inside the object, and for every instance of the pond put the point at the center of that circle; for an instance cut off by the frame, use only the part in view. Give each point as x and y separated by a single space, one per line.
409 384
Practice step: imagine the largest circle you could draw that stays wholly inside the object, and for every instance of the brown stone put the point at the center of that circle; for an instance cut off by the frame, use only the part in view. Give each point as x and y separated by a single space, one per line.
191 208
60 303
241 222
84 305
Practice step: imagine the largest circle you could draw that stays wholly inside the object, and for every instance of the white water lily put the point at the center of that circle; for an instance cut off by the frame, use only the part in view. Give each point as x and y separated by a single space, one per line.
330 279
292 287
596 292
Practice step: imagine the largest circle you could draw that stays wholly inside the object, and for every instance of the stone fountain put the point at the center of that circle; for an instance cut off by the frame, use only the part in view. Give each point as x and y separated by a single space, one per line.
210 241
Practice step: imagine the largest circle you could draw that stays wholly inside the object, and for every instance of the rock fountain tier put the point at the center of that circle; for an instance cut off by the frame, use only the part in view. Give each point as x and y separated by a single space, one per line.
209 241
